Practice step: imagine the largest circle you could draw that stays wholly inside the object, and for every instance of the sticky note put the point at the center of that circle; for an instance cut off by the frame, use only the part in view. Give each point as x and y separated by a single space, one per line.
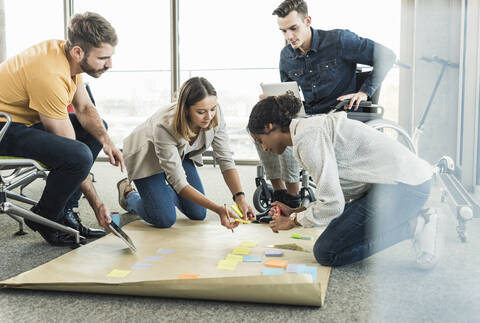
248 244
236 258
161 250
237 210
273 253
252 259
153 258
188 276
292 268
273 271
300 236
275 263
118 273
242 221
227 265
308 270
241 251
141 266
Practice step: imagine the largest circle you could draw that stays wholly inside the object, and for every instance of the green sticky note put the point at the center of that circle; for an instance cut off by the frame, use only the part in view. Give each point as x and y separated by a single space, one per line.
241 251
248 244
236 258
118 273
227 265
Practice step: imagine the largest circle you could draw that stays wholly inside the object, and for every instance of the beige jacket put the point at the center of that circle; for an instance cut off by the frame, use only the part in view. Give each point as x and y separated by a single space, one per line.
154 147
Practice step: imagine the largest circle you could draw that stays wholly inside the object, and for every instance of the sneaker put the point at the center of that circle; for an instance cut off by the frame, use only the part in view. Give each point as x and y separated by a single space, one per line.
124 188
428 238
292 201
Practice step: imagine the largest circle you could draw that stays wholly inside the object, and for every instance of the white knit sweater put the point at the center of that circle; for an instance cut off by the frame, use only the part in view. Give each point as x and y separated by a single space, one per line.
344 157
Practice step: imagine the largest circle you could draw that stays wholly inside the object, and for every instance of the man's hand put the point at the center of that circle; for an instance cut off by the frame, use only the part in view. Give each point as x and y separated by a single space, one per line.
115 156
245 208
103 216
281 223
355 98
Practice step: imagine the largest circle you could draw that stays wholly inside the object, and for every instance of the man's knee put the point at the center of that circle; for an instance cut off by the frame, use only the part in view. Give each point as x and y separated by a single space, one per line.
323 252
80 157
199 214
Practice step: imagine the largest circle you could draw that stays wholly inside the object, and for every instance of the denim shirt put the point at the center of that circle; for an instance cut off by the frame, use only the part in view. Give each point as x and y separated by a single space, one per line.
327 70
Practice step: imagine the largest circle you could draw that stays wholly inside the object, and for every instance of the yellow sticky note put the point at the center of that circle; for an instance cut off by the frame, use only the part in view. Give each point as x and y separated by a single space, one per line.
237 210
248 244
227 265
243 221
236 258
118 273
188 276
241 251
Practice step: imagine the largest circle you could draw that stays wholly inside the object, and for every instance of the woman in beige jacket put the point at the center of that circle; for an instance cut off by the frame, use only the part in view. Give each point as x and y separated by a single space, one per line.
161 153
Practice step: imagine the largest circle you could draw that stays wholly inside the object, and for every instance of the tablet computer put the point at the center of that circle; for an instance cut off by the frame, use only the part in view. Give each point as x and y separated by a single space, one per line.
282 88
122 235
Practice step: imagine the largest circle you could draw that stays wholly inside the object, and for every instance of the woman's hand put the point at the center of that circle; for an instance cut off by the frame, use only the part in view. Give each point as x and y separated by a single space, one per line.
281 223
284 209
224 218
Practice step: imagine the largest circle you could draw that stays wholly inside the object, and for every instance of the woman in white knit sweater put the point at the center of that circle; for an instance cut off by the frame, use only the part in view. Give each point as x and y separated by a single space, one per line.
370 188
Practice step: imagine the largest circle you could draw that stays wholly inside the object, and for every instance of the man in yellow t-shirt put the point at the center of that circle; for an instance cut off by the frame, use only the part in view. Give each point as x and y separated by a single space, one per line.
36 86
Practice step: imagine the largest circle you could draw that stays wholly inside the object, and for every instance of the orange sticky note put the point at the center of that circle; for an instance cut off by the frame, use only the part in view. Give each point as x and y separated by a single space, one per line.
275 263
188 276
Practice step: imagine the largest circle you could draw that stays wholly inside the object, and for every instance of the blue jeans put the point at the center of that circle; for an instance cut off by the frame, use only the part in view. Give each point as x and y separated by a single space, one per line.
69 162
156 199
370 224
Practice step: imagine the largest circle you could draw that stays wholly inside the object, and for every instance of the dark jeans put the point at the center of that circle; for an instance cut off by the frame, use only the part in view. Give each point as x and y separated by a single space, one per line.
156 199
69 162
370 224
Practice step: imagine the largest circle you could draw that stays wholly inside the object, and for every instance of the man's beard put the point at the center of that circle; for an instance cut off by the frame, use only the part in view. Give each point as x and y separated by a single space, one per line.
90 70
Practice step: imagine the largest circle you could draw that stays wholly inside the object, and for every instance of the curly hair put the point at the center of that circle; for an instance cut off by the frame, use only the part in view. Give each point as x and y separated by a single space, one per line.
288 6
278 110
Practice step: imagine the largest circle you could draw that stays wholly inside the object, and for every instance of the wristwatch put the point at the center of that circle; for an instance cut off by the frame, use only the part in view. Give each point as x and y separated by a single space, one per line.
237 194
293 219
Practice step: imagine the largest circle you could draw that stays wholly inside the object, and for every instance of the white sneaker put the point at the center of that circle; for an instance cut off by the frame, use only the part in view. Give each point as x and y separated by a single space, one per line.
428 239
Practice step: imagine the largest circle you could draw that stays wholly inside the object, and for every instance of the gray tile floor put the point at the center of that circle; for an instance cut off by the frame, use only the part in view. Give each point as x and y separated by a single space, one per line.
383 288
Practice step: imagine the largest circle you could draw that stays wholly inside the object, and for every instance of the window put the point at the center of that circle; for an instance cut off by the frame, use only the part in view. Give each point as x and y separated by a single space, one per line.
28 22
236 46
139 82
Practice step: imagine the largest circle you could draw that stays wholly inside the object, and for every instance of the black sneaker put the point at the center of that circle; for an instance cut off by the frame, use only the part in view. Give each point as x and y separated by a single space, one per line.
292 201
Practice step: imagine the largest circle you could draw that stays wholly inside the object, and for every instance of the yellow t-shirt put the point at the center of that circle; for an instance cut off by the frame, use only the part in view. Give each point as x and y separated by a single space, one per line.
37 81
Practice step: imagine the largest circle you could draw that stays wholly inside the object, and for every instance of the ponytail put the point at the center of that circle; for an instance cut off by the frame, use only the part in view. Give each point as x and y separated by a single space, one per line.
278 110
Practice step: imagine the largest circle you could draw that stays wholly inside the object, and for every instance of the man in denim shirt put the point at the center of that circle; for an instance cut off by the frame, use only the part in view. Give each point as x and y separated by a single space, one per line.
323 63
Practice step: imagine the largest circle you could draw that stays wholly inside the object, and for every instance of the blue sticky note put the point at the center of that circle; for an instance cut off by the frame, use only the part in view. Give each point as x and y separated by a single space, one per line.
273 253
308 270
252 259
273 271
141 266
161 250
153 258
292 268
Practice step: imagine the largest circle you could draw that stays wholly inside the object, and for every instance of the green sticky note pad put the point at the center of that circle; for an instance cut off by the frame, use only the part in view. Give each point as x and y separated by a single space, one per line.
118 273
227 265
236 258
241 251
248 244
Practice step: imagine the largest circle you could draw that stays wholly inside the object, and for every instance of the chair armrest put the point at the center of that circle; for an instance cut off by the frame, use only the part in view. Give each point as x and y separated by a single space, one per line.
6 125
